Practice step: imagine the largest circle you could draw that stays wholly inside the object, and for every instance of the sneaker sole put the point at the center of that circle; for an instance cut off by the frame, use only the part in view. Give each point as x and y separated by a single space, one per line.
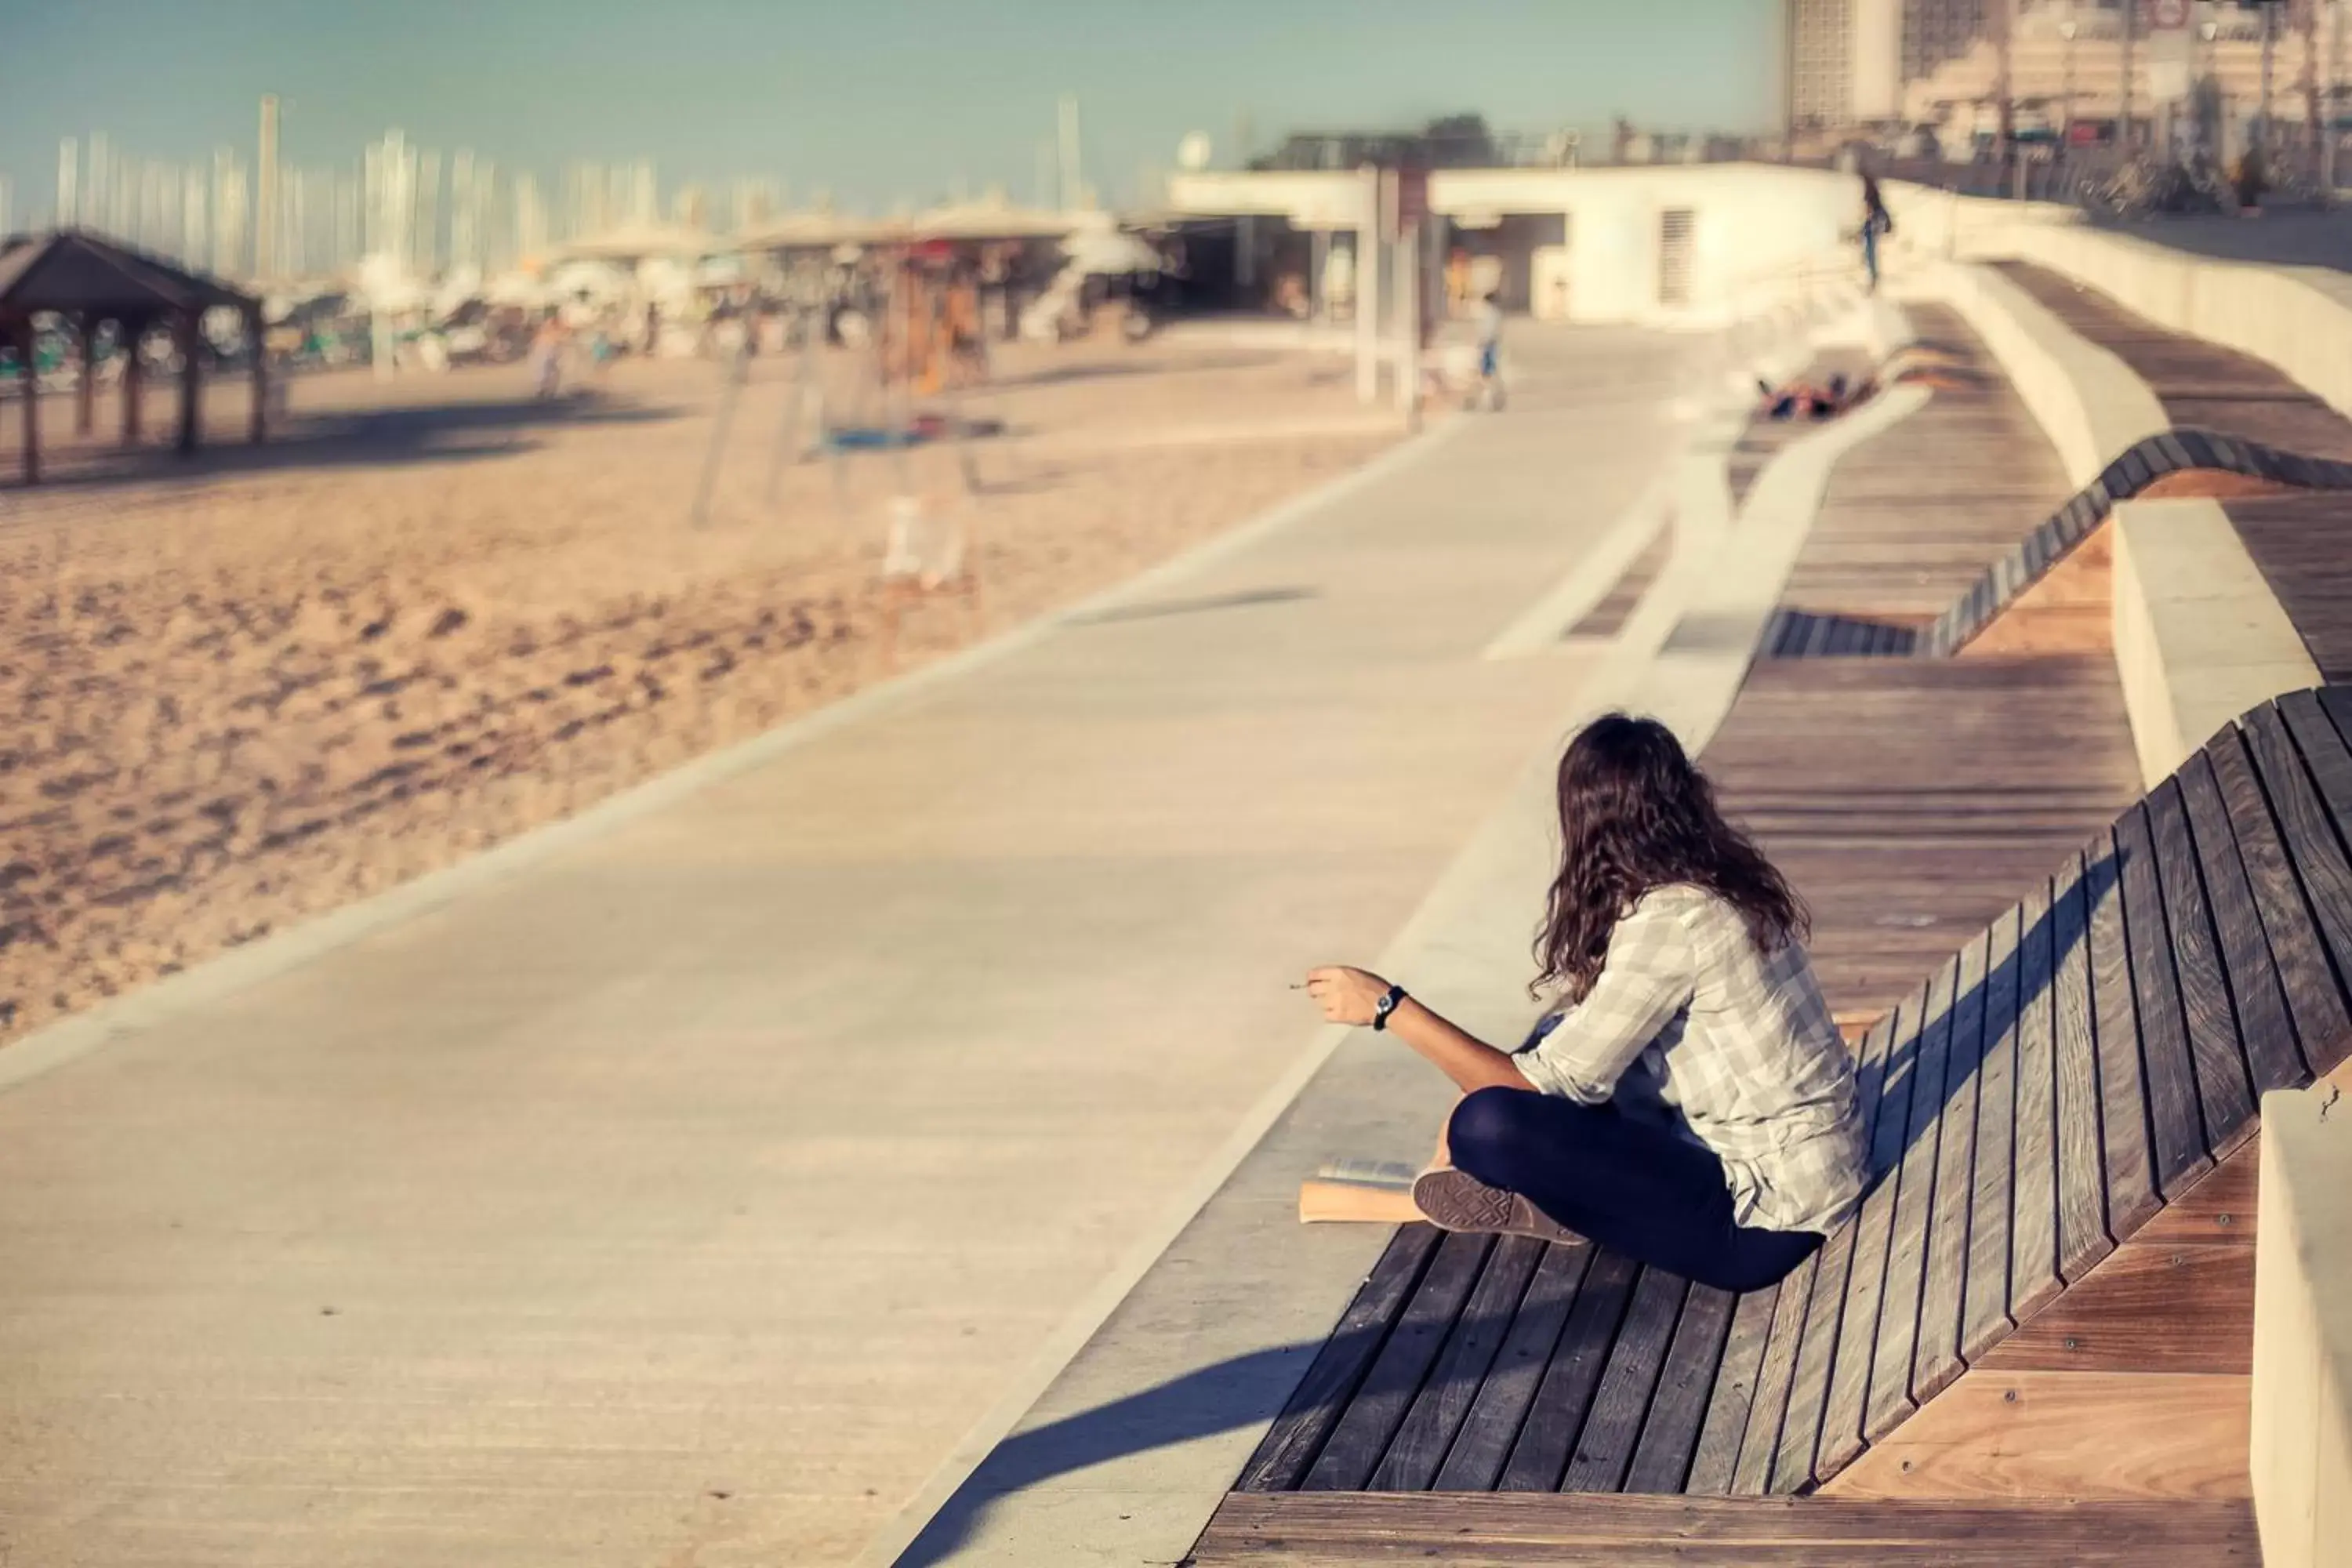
1455 1200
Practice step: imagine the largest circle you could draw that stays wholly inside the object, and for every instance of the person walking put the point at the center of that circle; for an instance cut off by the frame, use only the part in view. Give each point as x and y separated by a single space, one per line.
1489 395
1875 221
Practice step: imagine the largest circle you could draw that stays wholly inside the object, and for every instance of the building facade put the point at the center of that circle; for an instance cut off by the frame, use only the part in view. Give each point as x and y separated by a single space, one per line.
1935 31
1818 46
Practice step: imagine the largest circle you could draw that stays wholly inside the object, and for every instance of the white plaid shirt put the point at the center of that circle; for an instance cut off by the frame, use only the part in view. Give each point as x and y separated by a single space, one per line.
1690 1024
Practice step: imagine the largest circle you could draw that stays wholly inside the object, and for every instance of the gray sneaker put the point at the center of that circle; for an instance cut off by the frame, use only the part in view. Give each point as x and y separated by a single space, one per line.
1456 1200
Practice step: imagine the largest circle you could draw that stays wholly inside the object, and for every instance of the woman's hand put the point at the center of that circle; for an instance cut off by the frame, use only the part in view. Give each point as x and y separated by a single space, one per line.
1347 995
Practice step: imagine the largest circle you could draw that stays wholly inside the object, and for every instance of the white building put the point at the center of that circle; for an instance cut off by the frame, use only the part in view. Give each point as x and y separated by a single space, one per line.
1671 244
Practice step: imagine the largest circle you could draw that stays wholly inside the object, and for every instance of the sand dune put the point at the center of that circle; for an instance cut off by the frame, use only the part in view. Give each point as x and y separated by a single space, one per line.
253 687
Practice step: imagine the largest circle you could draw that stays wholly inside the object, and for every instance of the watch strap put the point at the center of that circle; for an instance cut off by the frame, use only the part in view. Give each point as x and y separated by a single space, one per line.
1388 1004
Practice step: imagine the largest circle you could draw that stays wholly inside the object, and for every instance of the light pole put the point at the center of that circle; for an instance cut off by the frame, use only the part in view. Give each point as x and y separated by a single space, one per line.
2327 103
2066 99
2262 119
2206 132
2125 132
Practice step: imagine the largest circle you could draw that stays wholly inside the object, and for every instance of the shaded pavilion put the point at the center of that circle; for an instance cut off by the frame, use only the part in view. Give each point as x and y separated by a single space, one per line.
87 281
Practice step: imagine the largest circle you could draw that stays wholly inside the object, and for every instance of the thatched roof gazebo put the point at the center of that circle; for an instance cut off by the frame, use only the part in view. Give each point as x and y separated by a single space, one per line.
89 280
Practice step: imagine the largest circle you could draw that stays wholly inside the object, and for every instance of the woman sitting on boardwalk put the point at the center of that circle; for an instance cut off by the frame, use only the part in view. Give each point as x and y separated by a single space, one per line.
1689 1102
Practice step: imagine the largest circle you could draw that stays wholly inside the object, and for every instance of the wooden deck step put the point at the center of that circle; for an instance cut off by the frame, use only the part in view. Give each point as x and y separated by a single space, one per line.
1340 1530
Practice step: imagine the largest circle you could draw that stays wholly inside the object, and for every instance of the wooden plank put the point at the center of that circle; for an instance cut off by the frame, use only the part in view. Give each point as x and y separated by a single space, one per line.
2177 1131
1378 1409
1892 1141
1309 1530
2033 1157
1539 1457
1493 1424
1899 1308
1751 1473
1604 1449
2125 1151
1809 1389
1321 1397
2215 1050
1984 1314
2083 1237
1663 1459
1729 1402
1565 1397
2264 1033
2288 739
1438 1411
1942 1284
2223 1207
2315 1002
2151 1307
2015 1433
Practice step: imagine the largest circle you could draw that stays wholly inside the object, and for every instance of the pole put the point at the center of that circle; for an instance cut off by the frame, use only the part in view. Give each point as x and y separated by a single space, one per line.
1367 285
1073 175
29 386
2005 152
2124 129
259 347
2262 118
132 332
2327 112
191 380
86 394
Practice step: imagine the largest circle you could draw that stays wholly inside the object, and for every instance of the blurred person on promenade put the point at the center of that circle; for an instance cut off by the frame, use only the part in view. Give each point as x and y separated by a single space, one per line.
1875 221
1489 392
547 356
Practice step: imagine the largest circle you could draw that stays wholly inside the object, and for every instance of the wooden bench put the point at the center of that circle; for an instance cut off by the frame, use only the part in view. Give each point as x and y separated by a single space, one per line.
2172 463
2073 1072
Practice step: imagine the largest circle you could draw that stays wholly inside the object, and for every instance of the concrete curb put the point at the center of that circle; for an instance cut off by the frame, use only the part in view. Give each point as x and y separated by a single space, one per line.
242 967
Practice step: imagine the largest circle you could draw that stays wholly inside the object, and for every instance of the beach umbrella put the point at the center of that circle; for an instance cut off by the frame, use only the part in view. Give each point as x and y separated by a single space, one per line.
1109 253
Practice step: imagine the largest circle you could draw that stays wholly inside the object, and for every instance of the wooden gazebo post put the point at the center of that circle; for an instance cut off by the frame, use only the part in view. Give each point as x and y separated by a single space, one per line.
26 373
260 370
191 376
86 393
132 330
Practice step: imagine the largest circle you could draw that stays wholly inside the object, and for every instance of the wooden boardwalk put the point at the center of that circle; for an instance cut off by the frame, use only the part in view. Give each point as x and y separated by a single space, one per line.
2303 544
1909 799
1910 520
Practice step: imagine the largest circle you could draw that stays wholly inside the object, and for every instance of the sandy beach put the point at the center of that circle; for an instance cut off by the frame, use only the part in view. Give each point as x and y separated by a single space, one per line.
257 684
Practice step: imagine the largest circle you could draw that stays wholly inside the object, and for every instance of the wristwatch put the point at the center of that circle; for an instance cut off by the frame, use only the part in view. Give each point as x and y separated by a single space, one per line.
1386 1006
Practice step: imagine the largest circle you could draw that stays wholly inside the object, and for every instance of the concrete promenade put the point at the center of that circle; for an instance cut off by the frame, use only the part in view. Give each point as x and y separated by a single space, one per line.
684 1194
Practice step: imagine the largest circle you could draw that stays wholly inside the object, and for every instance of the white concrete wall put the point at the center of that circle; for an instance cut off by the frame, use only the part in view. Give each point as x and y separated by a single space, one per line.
1755 227
2301 1451
2199 638
2298 319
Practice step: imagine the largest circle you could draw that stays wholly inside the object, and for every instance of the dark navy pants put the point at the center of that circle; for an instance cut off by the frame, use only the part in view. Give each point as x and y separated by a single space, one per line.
1622 1184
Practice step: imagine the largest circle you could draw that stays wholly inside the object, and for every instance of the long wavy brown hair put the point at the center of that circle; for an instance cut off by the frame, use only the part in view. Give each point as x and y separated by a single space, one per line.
1634 814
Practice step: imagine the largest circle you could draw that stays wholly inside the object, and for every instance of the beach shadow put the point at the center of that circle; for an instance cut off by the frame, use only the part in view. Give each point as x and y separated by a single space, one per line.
1241 600
1243 1390
453 432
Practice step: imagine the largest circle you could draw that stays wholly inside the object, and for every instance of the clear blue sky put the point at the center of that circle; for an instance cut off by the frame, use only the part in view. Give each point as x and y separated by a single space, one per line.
873 100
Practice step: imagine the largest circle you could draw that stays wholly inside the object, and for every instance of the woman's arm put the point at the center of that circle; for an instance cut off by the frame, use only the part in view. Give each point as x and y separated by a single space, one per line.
1348 995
